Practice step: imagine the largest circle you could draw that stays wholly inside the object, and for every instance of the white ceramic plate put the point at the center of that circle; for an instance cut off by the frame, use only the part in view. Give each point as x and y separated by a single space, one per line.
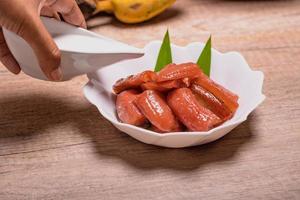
228 69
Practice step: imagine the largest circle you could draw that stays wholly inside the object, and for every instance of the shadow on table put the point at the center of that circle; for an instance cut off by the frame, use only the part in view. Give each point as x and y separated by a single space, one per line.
26 116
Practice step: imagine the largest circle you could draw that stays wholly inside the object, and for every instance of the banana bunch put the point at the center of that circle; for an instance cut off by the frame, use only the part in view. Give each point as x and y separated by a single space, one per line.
132 11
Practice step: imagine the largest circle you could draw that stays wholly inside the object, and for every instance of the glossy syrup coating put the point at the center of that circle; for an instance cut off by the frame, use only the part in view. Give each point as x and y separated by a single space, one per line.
166 85
134 81
229 98
208 100
190 112
181 71
127 110
156 110
194 102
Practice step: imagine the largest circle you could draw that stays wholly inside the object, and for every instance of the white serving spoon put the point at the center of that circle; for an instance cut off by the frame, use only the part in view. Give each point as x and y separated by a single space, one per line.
82 51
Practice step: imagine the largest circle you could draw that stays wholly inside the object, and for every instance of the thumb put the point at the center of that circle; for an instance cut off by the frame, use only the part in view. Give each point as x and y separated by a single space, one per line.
48 54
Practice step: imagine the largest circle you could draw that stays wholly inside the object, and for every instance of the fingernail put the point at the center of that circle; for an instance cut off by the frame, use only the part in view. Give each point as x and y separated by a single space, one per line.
83 25
56 75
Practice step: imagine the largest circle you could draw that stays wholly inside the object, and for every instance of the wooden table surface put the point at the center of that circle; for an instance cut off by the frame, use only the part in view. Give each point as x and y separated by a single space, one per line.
55 145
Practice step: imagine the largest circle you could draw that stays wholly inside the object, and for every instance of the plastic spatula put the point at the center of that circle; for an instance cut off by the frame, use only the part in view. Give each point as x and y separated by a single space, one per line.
82 51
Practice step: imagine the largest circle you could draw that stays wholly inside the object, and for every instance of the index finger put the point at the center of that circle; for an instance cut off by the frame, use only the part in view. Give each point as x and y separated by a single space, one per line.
69 11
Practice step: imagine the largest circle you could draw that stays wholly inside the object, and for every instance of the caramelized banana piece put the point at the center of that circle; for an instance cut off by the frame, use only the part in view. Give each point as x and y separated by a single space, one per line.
227 97
127 110
166 85
208 100
173 72
134 81
190 112
156 110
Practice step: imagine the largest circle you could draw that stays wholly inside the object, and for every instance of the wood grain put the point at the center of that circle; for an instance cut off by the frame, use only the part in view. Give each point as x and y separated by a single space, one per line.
55 145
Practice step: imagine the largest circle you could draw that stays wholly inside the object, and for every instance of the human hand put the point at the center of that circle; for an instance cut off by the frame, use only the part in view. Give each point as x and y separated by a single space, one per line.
23 18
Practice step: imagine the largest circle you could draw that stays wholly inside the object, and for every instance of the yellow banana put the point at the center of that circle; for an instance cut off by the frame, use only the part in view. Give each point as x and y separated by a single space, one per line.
133 11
